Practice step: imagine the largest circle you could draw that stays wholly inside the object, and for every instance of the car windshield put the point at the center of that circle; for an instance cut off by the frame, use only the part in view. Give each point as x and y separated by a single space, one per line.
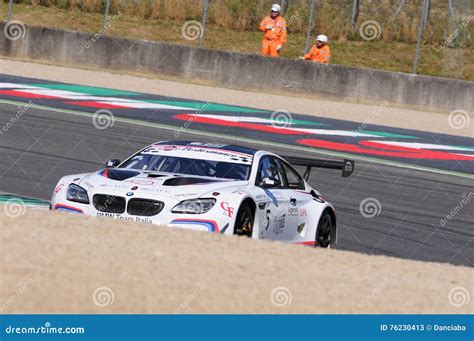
188 166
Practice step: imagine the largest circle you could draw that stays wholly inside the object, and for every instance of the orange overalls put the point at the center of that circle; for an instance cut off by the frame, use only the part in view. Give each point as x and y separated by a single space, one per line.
273 37
320 55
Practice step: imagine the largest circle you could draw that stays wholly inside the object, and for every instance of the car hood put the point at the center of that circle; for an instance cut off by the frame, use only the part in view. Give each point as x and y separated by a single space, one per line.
121 181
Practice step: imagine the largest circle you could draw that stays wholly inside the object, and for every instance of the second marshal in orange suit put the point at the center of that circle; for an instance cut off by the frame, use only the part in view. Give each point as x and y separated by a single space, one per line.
320 52
274 29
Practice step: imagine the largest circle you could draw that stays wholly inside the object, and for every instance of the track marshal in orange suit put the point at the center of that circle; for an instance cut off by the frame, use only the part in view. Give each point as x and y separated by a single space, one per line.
274 29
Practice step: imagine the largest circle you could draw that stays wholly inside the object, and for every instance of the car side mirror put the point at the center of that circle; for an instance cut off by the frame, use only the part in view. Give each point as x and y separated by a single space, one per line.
112 163
270 182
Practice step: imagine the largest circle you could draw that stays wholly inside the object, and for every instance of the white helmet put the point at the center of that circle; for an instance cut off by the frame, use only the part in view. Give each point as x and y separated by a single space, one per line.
276 8
322 38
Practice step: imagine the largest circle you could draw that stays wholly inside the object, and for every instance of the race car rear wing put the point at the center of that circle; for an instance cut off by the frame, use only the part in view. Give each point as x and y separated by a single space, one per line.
347 166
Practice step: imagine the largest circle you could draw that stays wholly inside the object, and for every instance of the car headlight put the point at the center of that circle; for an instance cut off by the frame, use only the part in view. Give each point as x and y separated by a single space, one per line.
77 194
194 206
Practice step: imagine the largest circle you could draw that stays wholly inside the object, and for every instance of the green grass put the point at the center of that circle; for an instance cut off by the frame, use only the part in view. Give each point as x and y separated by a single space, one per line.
378 54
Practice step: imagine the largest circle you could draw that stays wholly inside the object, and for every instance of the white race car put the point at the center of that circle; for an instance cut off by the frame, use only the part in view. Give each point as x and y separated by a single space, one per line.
208 187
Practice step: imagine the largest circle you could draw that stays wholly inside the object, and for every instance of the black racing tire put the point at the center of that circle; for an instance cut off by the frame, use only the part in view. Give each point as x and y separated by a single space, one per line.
244 221
326 231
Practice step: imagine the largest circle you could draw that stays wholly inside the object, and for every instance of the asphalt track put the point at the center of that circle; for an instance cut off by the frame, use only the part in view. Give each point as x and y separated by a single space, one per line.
46 143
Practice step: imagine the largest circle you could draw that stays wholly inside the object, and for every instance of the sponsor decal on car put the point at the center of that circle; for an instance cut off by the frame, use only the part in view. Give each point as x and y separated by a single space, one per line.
58 189
279 224
197 152
228 210
142 182
87 184
292 211
123 218
186 195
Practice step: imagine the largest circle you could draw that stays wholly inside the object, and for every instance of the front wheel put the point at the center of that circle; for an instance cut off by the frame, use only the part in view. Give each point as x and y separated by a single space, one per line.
244 222
326 230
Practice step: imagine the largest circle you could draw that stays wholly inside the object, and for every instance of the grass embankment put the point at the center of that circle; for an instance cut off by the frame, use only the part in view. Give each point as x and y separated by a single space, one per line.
232 29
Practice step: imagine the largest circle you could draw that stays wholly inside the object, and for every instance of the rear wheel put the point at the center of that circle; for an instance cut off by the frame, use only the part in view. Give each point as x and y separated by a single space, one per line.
244 221
326 230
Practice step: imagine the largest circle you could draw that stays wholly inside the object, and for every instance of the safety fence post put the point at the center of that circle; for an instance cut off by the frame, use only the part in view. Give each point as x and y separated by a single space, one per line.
421 28
355 13
310 26
10 10
203 23
106 18
397 12
451 11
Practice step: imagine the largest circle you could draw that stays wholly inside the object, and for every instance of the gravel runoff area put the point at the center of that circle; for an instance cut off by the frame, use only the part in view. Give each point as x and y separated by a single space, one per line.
62 263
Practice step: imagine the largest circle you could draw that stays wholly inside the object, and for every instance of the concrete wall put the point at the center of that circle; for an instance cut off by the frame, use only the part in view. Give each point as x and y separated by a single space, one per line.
238 70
